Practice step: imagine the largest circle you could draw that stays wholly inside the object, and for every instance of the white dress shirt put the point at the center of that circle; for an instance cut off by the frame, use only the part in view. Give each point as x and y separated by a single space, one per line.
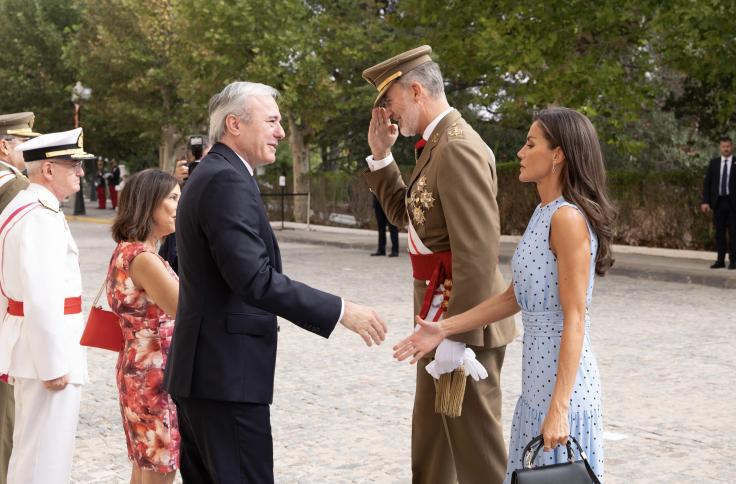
727 162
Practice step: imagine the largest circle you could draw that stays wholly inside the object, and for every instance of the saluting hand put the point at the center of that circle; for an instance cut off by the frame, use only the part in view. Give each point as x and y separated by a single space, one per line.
364 321
57 383
382 133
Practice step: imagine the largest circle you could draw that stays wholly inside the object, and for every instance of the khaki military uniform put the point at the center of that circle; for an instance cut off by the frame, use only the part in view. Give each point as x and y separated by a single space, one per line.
451 203
11 183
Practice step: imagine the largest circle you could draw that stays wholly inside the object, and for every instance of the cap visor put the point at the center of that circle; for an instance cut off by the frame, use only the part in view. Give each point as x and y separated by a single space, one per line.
381 93
82 156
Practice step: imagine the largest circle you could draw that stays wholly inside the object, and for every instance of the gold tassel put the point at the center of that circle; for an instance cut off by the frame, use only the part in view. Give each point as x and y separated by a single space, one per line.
449 393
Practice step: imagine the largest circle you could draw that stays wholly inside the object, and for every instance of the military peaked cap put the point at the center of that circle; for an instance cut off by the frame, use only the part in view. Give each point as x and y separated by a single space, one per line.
18 124
382 75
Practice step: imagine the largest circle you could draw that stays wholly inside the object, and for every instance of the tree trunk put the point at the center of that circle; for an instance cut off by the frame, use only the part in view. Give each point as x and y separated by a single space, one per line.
300 168
167 148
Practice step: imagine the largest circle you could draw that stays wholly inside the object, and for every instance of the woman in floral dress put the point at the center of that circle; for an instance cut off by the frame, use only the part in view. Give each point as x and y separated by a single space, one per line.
143 290
567 242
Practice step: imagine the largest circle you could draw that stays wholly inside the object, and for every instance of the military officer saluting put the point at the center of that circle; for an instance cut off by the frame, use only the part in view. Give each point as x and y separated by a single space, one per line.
450 209
14 130
41 288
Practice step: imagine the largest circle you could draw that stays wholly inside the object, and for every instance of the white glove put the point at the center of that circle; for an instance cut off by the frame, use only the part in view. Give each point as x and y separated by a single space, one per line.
452 354
473 366
448 356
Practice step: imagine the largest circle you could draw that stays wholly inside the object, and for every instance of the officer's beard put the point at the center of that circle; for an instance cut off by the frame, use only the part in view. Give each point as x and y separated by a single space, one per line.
409 121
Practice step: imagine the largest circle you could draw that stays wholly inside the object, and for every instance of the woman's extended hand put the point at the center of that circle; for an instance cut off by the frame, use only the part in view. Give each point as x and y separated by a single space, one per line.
555 429
425 338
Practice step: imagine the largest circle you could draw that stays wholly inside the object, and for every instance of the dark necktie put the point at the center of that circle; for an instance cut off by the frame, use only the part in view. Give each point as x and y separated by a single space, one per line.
418 147
255 183
724 179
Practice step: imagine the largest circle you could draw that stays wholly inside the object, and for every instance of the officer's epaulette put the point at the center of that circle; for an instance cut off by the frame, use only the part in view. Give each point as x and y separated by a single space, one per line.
454 131
47 204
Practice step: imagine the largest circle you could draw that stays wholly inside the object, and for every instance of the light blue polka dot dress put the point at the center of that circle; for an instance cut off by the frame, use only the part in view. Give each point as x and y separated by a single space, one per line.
534 269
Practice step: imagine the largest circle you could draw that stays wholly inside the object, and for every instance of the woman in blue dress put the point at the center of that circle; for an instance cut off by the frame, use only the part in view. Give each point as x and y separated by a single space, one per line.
567 242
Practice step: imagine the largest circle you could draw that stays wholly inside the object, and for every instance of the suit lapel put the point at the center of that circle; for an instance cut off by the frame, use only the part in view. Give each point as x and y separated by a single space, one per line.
267 233
434 138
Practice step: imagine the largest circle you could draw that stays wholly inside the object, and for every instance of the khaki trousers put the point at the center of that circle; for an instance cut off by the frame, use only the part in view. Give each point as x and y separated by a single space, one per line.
468 449
7 421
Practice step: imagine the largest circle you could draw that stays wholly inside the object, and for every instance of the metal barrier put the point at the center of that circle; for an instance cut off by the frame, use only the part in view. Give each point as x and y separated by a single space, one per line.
283 196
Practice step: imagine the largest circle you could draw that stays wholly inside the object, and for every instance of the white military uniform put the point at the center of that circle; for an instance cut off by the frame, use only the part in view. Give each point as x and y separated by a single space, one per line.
39 267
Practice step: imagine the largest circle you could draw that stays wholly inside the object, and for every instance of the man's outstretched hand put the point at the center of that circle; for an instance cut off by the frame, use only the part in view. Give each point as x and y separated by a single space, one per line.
364 321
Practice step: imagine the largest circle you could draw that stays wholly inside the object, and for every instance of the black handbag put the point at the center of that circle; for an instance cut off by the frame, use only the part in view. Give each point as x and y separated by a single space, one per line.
570 472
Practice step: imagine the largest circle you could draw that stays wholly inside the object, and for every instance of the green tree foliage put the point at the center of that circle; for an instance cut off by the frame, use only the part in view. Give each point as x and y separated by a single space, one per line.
124 50
657 78
36 75
696 41
504 60
312 52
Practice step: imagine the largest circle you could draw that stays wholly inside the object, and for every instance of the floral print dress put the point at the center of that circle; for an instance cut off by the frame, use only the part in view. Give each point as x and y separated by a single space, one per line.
149 414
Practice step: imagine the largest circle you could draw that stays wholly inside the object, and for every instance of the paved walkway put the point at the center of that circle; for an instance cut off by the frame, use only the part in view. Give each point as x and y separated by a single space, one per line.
342 411
640 262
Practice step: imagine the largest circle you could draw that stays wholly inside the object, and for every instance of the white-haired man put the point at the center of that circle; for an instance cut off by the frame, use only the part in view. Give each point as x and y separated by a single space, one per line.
223 354
41 289
14 129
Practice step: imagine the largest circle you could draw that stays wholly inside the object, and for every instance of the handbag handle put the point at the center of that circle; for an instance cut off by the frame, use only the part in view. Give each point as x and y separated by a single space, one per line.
527 457
99 293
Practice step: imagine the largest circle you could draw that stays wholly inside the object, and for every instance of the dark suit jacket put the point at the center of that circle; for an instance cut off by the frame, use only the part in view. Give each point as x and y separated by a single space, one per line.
231 288
711 184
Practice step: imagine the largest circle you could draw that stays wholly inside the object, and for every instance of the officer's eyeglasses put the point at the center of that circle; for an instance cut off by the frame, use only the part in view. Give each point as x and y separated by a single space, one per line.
74 165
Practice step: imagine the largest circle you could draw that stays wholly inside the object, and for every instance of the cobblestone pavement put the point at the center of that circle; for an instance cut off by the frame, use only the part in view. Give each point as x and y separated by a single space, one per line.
342 411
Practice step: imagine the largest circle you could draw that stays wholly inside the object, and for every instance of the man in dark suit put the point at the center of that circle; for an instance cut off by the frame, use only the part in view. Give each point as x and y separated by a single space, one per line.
382 222
221 365
719 196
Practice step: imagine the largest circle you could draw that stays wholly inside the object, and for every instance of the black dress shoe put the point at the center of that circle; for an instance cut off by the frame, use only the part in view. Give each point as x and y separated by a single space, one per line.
718 265
393 254
378 253
732 265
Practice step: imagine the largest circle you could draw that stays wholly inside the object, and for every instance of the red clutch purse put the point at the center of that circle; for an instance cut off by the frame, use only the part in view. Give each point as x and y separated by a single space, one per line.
103 328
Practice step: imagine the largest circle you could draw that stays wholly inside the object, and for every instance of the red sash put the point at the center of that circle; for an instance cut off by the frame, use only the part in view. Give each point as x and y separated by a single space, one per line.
437 269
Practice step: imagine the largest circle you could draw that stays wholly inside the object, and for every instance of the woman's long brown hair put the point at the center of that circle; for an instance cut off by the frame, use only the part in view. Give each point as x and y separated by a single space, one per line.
583 174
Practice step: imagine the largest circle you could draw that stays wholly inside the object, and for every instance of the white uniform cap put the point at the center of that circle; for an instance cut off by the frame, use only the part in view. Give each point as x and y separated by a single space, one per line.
66 145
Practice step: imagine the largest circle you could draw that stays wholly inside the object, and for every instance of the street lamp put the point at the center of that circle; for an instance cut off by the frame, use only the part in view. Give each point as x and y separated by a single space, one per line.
79 93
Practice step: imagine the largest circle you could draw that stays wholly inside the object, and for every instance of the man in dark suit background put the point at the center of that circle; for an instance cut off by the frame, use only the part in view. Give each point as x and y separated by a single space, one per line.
382 222
221 365
719 196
